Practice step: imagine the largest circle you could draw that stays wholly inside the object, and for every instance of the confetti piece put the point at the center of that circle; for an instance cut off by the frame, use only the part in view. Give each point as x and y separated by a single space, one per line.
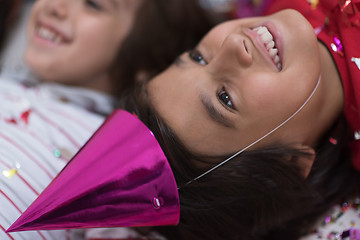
10 173
313 3
356 61
25 116
57 153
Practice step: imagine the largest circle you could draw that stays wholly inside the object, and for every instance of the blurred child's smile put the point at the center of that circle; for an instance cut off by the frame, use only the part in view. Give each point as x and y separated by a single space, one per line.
50 35
76 41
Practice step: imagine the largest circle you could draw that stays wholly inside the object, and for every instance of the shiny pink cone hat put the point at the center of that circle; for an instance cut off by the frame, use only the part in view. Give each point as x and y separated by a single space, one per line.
120 178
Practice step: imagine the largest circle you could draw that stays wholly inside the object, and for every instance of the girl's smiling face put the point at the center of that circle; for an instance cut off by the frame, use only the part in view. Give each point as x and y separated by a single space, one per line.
76 41
244 78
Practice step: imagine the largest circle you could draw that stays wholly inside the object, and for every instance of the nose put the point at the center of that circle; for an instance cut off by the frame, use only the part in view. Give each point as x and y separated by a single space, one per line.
235 51
58 8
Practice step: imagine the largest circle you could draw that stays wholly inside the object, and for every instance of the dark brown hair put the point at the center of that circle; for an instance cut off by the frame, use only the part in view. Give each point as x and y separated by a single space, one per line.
162 30
260 194
8 13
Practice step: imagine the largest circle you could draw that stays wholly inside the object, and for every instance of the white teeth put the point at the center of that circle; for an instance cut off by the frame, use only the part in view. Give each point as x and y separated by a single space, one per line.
276 59
266 37
273 52
269 43
261 30
264 33
49 35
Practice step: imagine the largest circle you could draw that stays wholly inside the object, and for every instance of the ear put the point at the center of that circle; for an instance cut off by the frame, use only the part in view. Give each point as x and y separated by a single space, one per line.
306 162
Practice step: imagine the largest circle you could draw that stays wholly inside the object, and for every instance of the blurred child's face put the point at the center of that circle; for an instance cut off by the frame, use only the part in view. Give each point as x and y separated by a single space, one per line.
76 41
235 86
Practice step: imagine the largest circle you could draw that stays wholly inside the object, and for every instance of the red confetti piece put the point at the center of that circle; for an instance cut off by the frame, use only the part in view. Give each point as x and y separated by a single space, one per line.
333 141
11 120
25 116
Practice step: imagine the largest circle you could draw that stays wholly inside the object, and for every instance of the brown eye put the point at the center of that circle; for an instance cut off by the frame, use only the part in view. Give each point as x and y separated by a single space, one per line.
197 57
225 98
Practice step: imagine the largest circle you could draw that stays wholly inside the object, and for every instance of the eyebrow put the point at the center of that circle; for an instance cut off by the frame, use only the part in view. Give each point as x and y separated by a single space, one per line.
214 114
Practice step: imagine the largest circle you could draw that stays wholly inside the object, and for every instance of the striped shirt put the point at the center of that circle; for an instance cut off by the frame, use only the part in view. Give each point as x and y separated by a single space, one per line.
39 133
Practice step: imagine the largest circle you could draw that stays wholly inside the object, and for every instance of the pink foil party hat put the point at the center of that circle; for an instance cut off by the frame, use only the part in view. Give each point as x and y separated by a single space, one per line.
120 178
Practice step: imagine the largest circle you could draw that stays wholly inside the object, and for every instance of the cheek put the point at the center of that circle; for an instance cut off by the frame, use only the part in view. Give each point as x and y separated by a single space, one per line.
103 42
259 92
105 30
268 103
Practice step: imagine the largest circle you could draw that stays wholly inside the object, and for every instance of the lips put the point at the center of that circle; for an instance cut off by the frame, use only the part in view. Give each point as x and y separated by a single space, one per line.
270 45
51 34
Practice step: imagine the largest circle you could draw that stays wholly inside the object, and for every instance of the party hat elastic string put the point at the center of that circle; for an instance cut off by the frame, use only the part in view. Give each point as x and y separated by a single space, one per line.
260 139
